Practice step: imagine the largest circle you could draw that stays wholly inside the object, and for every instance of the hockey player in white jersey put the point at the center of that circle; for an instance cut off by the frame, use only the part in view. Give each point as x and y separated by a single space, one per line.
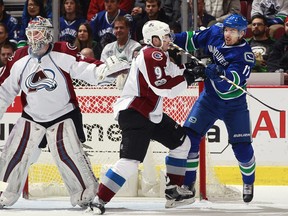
139 112
42 72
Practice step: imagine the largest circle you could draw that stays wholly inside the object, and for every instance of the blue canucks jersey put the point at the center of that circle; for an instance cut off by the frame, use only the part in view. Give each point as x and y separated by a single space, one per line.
237 60
12 26
100 24
68 30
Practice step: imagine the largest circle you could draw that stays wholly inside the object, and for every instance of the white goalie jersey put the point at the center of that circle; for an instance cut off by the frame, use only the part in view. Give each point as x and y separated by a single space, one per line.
46 84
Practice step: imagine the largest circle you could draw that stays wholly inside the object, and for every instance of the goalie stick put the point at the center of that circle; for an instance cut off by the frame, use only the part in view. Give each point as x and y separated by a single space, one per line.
223 77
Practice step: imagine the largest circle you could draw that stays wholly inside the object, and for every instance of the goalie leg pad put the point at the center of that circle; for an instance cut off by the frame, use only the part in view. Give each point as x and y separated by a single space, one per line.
74 166
20 151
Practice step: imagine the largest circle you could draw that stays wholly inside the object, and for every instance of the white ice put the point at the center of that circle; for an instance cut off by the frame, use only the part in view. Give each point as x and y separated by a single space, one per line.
268 201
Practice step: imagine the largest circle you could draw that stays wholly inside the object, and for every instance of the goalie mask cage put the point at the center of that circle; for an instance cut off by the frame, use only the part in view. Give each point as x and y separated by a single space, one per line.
102 145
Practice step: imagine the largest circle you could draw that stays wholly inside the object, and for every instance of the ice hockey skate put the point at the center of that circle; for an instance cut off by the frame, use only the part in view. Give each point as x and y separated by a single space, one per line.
178 196
248 191
97 206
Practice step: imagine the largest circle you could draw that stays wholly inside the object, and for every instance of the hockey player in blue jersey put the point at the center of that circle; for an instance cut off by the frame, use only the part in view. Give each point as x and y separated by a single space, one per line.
232 57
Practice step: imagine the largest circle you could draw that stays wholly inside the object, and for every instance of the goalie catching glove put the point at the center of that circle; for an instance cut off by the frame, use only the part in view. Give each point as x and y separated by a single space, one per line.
113 67
192 72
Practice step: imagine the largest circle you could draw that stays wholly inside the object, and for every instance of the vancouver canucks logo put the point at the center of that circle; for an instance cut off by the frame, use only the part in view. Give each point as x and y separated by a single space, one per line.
42 79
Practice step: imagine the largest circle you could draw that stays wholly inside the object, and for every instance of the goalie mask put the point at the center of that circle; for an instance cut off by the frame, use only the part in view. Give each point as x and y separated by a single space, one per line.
155 28
39 33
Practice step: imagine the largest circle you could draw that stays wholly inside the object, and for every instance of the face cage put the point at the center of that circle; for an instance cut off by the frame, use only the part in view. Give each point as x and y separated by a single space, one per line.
38 38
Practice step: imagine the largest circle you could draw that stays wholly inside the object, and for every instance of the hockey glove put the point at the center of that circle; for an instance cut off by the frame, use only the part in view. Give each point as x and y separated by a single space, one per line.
213 72
189 76
193 63
116 66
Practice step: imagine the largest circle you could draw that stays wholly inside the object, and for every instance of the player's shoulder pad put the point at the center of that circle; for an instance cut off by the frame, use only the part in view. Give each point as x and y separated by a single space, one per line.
219 24
154 54
65 47
19 53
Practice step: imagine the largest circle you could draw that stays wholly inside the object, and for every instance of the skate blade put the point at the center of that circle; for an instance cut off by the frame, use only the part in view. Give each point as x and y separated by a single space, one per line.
174 204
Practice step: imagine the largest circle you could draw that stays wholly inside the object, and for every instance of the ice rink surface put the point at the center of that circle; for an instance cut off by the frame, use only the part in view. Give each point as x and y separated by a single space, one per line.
268 201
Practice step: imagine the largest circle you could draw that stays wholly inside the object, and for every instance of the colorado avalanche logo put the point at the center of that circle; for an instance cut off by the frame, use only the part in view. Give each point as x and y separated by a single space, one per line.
41 80
158 56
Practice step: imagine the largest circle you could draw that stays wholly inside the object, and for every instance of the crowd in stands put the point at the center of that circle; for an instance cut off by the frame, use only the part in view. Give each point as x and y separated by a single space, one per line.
101 28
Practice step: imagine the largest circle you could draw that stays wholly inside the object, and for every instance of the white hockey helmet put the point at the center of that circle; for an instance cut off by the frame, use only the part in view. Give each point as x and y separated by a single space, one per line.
39 33
154 28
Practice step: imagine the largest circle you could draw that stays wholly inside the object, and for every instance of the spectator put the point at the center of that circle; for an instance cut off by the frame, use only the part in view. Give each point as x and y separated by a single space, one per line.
261 43
47 7
4 35
87 52
34 8
275 12
98 5
153 11
102 22
138 8
7 50
10 22
70 21
84 38
217 11
200 11
172 9
278 58
123 46
105 39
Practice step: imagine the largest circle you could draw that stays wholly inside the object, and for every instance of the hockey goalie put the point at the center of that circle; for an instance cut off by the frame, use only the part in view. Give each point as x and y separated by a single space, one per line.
42 73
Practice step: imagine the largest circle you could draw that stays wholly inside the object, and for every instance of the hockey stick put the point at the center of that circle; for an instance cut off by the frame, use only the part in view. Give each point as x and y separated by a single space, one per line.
223 77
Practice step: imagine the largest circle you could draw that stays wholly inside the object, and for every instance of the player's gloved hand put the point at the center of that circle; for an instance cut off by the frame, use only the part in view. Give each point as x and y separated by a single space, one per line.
193 74
189 76
193 63
213 71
